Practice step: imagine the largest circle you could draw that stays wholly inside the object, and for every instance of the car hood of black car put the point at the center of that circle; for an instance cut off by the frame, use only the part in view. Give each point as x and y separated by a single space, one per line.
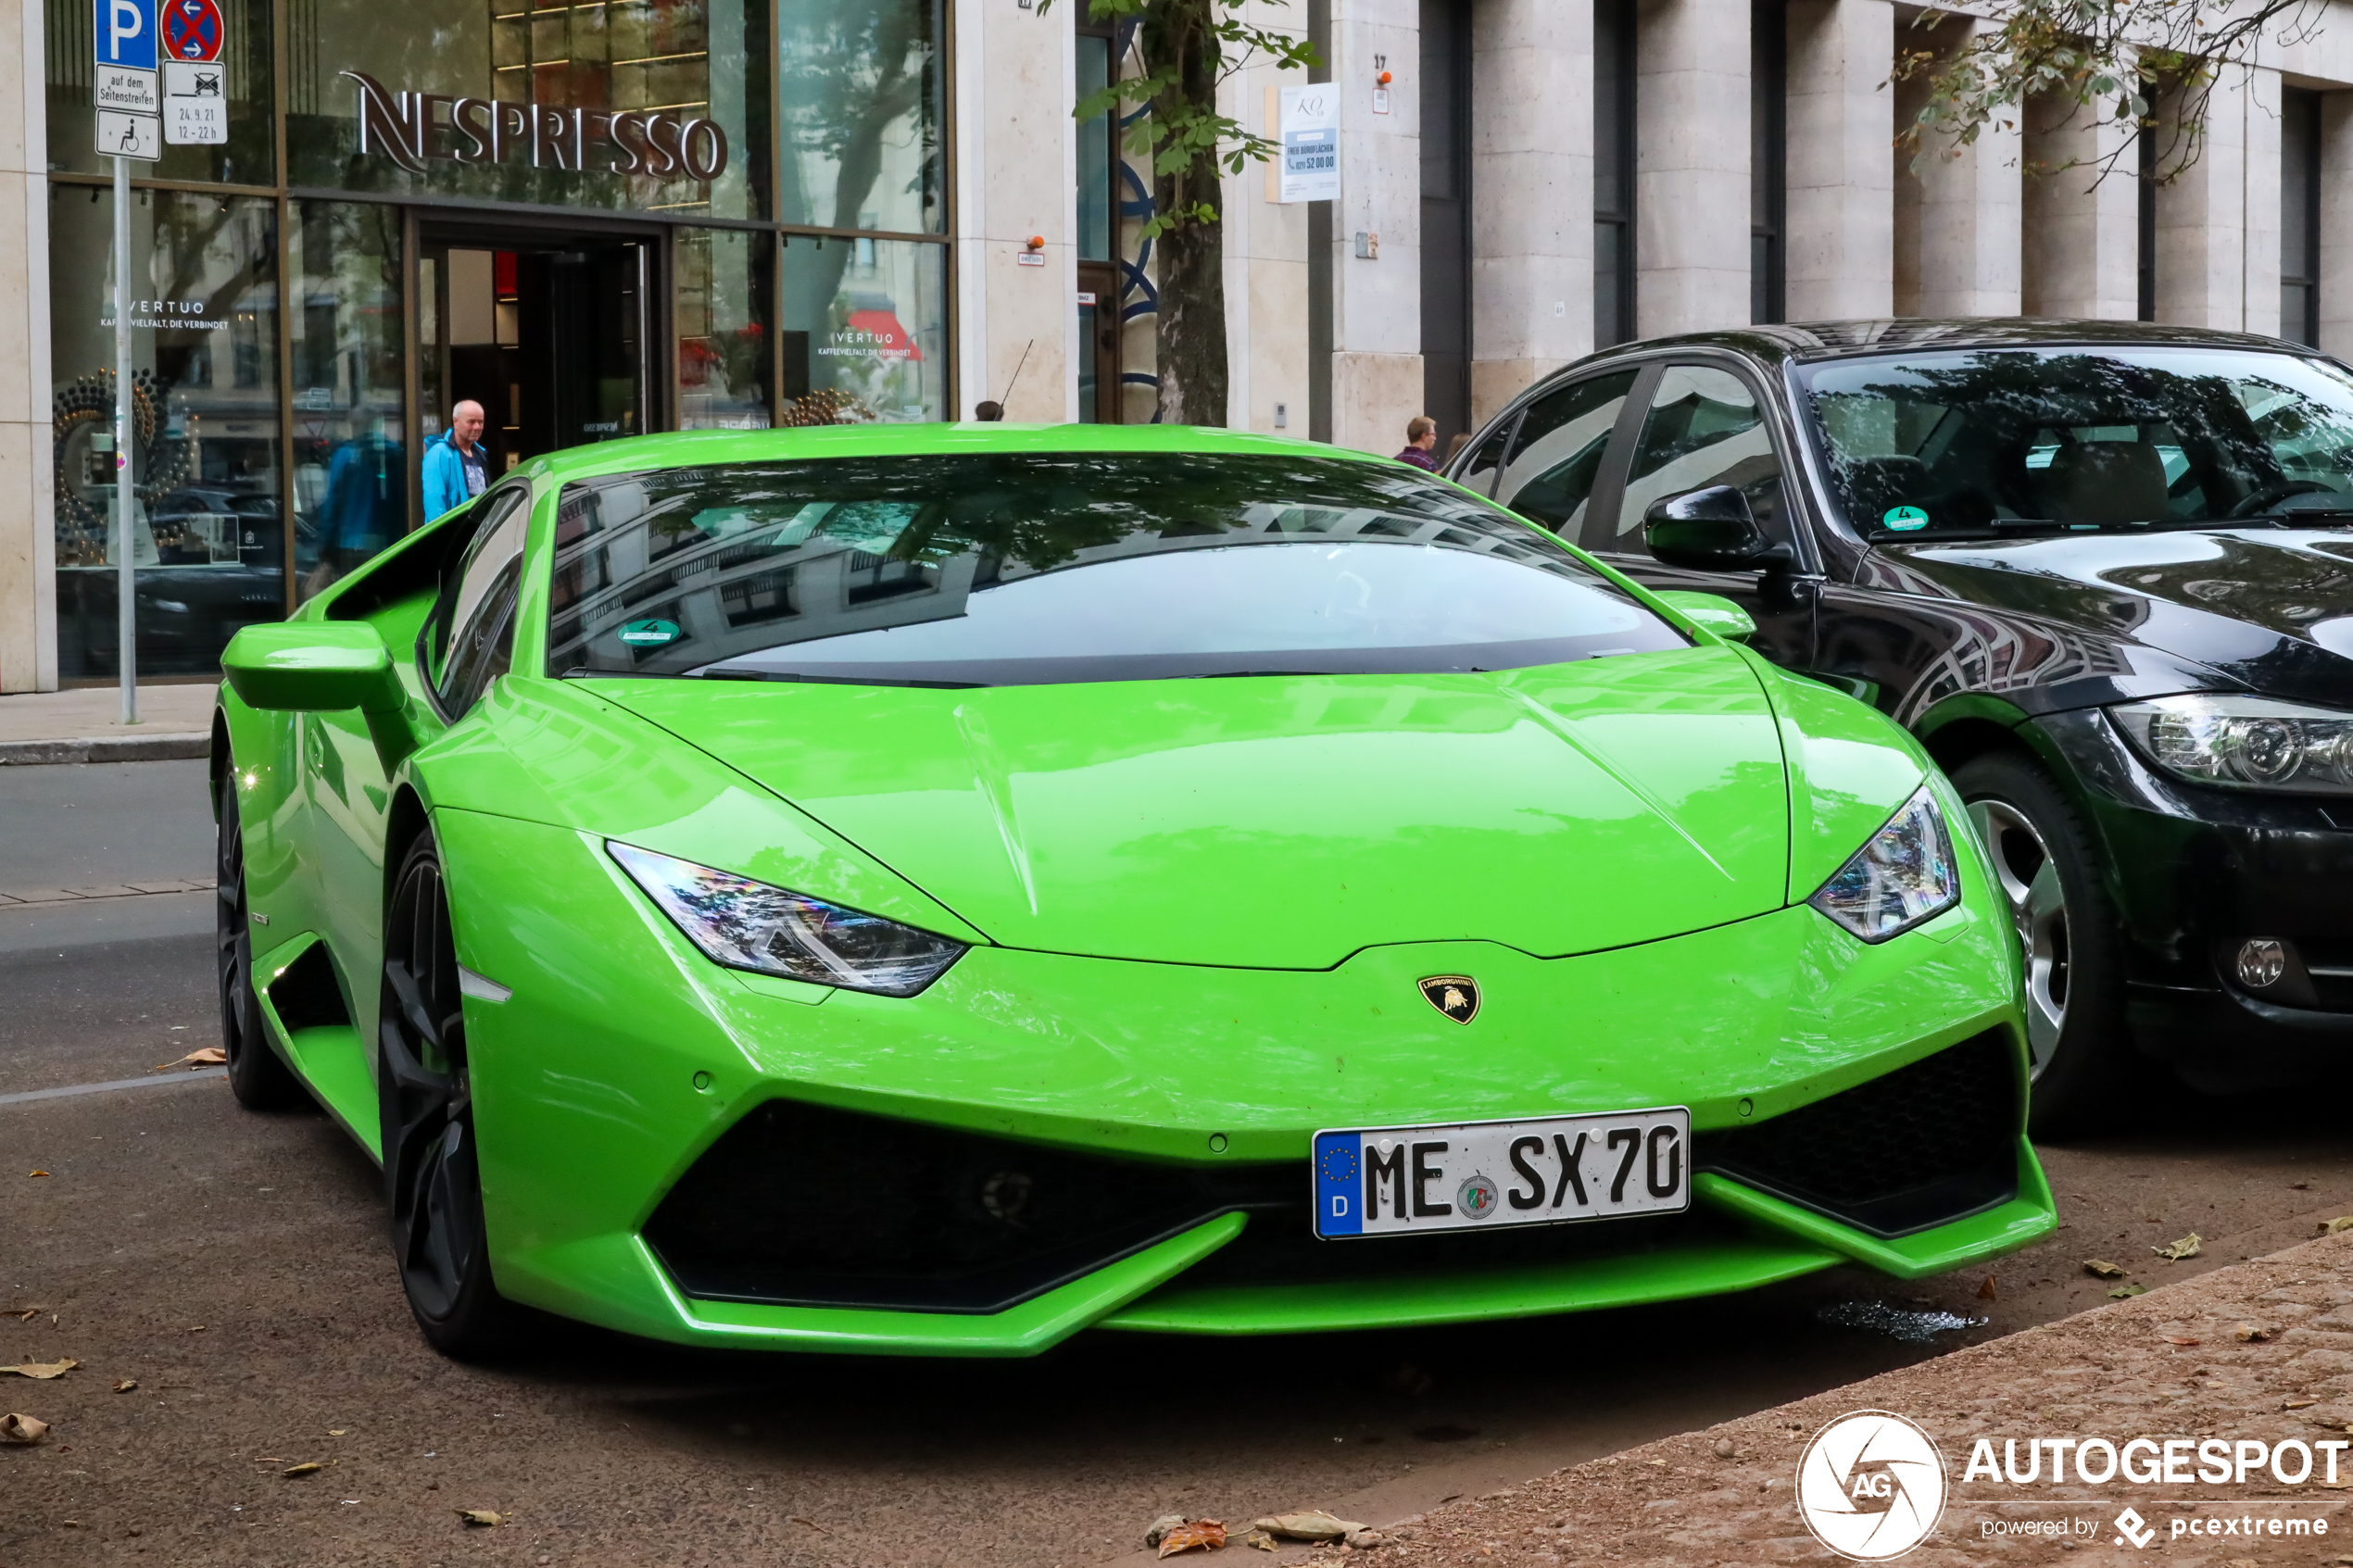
2268 607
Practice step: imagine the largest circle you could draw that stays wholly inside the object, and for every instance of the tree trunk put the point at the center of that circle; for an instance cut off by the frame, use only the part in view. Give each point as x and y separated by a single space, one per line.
1189 332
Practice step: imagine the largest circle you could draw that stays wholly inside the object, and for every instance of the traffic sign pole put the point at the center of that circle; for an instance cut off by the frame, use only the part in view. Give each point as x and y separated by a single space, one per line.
126 581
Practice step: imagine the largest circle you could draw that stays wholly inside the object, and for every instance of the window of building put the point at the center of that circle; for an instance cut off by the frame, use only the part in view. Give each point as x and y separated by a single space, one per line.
1768 160
1445 85
863 339
2301 216
863 89
2145 217
351 472
723 285
208 532
1613 171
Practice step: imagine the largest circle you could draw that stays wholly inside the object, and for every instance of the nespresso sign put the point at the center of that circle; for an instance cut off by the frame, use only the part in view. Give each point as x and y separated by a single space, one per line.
414 128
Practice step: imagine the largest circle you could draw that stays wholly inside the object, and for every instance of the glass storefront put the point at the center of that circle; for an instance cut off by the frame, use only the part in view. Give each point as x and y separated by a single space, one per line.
208 535
588 219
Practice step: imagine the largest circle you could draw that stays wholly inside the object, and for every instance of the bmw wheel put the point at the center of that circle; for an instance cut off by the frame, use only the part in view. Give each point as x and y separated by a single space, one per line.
425 1092
257 1076
2044 868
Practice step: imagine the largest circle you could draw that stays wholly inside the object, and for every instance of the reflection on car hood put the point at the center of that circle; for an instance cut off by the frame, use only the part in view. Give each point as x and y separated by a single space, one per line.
2272 608
1288 821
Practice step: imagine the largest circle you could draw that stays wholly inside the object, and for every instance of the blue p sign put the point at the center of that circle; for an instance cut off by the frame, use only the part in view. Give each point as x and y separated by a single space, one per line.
126 34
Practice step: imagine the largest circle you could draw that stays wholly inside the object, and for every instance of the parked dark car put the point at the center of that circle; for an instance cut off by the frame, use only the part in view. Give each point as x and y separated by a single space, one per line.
2103 570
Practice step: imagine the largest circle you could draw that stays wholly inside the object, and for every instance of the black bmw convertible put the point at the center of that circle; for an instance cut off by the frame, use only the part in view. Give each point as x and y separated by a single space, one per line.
2105 571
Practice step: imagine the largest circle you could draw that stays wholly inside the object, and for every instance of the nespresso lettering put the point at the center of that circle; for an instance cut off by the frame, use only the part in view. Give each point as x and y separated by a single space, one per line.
413 128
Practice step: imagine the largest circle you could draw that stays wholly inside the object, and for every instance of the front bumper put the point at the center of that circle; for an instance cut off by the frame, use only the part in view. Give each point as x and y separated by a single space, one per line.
2195 872
623 1058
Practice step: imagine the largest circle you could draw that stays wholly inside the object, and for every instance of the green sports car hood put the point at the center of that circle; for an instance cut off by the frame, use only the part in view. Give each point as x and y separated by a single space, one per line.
1286 821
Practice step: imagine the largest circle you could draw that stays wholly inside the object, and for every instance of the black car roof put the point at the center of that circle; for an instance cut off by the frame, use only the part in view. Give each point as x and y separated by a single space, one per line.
1809 342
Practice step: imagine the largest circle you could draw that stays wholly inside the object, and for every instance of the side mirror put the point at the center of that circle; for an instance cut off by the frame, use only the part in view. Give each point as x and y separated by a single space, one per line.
1709 530
1712 611
322 666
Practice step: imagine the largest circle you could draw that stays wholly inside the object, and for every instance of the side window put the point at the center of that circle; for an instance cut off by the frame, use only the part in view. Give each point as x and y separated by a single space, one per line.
1481 469
1704 428
1558 454
478 608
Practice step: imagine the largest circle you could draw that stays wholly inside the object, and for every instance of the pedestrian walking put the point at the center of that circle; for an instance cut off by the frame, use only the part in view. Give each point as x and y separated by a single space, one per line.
454 464
1421 437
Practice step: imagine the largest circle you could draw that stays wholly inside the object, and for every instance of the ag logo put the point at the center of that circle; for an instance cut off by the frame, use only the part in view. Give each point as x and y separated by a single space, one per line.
1872 1485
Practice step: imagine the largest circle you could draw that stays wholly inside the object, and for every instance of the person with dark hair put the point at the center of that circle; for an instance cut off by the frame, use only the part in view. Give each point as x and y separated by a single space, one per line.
1421 435
1454 446
989 410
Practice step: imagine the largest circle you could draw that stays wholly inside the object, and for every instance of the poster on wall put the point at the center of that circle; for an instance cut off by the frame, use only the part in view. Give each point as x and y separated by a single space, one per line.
1307 124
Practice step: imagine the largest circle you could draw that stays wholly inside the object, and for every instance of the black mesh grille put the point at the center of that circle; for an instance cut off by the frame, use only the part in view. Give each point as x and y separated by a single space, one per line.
805 1205
1922 1146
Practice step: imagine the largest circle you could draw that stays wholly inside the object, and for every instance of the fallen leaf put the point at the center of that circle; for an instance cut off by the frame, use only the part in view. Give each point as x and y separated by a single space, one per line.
801 1519
43 1370
2126 1291
479 1516
127 1385
2100 1269
337 1431
1261 1540
1207 1534
1161 1527
2342 1222
307 1467
1314 1525
1985 1291
196 1328
211 1055
2250 1334
39 1173
15 1428
2297 1404
2175 1251
28 1314
2179 1339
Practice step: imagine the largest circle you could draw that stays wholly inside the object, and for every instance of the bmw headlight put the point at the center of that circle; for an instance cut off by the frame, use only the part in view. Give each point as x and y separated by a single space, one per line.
1904 874
2244 742
748 924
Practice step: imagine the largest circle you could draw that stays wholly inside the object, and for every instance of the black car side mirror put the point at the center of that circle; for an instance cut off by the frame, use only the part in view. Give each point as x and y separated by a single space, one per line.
1710 530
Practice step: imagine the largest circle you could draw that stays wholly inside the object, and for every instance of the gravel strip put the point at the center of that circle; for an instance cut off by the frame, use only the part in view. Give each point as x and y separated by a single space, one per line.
2260 1351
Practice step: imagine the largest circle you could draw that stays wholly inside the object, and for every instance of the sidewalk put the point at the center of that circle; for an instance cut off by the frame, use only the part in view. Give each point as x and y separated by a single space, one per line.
2239 1361
81 725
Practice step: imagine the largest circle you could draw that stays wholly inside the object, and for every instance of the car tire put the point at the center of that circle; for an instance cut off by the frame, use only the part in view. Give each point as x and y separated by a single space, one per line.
258 1076
433 1176
2046 872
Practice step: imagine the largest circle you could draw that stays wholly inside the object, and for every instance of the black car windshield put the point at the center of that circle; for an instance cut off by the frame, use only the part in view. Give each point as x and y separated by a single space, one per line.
1019 569
2062 438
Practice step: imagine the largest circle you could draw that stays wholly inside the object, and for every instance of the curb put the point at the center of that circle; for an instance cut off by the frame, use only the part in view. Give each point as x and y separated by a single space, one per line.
106 748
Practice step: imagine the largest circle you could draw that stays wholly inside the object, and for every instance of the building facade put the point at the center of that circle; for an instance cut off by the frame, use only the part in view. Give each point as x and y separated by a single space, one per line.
601 217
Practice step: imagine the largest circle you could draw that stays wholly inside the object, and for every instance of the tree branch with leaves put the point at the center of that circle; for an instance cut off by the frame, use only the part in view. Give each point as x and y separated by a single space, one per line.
2112 60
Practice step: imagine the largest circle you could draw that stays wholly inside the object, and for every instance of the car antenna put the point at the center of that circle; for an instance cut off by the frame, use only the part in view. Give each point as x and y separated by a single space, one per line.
1017 368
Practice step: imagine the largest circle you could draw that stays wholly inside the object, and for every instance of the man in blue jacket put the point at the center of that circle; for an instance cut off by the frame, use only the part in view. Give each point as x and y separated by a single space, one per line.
454 464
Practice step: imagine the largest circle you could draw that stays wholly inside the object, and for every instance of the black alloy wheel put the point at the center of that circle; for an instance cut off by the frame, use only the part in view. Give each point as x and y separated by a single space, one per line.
431 1170
2045 872
256 1076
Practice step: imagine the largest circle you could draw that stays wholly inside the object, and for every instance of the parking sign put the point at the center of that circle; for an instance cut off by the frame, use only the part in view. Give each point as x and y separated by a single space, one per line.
126 34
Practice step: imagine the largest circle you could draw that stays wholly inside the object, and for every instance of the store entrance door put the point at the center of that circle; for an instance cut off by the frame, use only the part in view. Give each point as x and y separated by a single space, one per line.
548 333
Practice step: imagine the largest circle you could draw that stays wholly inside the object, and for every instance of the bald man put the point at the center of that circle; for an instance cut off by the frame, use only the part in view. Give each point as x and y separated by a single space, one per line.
454 464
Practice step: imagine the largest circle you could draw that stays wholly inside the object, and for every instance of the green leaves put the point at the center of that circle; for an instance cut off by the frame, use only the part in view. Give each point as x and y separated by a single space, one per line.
1182 51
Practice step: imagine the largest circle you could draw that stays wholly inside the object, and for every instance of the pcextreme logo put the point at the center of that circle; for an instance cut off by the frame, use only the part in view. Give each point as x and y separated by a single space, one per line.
1871 1485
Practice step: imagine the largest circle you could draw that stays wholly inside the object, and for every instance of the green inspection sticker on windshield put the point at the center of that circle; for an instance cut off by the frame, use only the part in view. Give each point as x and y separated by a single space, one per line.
650 633
1903 519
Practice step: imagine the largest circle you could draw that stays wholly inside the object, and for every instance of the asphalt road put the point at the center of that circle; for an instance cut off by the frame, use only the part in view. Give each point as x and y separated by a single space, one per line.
233 1266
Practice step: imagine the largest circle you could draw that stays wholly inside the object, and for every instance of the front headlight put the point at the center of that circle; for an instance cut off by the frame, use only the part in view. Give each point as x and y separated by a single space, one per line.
748 924
1904 874
2244 742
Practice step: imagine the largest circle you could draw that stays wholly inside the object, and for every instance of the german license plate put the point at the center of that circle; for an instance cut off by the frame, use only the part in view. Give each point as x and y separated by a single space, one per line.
1408 1181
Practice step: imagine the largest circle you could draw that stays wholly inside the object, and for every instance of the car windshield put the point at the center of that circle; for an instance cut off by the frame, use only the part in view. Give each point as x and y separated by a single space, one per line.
2065 438
1032 567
